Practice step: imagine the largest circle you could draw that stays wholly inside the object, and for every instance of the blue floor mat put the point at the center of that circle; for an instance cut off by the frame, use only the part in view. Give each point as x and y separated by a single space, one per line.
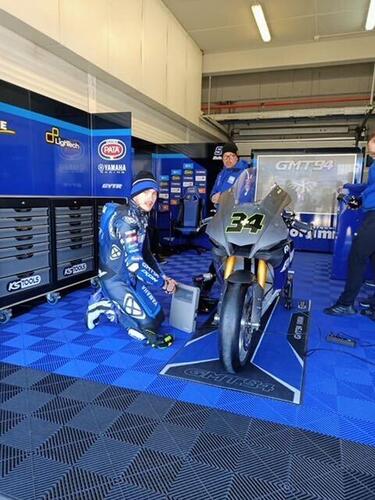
339 389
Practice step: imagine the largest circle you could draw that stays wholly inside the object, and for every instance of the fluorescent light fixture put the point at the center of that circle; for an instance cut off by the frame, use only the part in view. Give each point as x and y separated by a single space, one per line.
262 23
370 21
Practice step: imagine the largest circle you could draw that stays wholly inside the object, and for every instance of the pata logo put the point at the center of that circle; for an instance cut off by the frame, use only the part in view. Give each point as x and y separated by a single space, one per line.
112 149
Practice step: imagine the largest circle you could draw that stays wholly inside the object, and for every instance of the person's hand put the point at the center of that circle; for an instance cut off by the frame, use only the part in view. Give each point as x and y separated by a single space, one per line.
216 198
169 285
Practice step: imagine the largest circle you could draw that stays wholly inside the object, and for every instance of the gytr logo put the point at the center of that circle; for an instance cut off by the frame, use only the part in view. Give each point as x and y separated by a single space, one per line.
112 149
23 283
53 137
4 128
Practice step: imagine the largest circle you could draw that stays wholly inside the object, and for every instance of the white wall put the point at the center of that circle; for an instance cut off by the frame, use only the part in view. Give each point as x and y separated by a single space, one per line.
134 54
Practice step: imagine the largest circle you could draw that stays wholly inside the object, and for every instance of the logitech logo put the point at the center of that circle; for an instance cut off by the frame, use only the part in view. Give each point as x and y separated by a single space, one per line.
53 137
4 128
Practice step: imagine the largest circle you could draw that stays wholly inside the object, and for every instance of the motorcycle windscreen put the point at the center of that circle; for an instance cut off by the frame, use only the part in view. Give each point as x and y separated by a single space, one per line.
242 223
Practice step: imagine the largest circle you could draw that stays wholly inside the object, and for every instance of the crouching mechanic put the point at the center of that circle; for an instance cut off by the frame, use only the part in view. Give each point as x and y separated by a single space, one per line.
127 266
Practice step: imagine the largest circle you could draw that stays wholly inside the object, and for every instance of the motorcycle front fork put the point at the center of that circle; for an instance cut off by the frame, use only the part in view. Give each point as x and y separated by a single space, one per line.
257 290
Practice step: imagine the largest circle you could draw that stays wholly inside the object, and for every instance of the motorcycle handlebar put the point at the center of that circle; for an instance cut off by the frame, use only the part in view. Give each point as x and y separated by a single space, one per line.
292 223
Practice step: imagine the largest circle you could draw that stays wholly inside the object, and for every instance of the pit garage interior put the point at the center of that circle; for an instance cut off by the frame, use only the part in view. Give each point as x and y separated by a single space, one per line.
91 93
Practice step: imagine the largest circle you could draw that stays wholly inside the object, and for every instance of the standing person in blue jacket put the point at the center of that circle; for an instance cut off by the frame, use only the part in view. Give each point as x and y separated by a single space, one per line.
363 246
233 167
127 267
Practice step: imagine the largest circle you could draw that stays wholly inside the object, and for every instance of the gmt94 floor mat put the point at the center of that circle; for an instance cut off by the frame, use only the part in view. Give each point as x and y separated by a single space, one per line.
276 368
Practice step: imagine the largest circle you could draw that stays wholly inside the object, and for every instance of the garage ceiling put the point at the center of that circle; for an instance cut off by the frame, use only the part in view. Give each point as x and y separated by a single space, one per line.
313 79
228 25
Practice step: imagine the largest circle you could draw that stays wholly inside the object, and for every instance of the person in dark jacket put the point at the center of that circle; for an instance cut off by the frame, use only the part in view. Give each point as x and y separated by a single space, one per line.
363 246
127 267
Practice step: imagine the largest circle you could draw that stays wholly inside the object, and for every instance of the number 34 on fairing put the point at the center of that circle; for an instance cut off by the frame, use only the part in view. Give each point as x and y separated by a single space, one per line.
240 221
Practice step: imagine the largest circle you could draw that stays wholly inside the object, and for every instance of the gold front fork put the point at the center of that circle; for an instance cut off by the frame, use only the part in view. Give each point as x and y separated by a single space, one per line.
262 273
229 266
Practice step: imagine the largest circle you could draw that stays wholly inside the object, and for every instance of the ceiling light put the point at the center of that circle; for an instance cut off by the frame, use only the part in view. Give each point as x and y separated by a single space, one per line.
262 23
370 21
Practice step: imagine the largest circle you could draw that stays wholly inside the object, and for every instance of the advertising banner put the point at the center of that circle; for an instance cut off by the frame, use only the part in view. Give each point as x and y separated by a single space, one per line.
42 156
176 182
313 182
111 163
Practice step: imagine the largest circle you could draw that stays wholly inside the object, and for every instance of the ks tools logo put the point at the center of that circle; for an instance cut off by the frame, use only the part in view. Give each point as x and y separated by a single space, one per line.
112 149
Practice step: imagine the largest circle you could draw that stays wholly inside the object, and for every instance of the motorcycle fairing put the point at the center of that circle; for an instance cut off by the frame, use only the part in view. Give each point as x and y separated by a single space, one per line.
256 225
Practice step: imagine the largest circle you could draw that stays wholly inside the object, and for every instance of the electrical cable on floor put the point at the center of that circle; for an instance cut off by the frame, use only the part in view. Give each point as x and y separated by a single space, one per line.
309 352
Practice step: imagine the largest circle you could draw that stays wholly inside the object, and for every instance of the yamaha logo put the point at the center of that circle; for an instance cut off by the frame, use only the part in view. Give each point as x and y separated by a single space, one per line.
115 252
23 283
112 168
112 149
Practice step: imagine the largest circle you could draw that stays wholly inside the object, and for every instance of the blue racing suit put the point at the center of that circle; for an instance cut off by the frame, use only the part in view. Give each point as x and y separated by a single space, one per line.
127 266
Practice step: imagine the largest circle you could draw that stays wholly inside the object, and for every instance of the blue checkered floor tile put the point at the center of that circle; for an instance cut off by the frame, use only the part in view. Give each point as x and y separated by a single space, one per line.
339 394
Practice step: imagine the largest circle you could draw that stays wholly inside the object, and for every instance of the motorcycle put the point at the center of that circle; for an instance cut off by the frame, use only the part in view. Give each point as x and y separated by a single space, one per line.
251 240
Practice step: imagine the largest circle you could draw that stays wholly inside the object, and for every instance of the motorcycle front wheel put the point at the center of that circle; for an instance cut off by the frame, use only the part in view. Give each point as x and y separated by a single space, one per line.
236 338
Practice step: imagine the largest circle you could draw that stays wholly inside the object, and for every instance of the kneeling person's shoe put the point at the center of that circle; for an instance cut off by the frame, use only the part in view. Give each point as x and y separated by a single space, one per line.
94 311
158 340
340 310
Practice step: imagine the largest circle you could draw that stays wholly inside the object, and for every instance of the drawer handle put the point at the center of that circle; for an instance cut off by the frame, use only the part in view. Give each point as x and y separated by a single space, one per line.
22 219
24 247
78 223
24 228
74 247
23 238
22 209
25 275
77 238
25 256
74 216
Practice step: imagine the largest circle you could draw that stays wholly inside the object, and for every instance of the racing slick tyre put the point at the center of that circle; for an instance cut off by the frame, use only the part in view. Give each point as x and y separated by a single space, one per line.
237 340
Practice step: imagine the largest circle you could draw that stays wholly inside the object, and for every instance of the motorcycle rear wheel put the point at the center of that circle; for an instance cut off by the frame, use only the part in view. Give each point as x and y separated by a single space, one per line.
236 340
